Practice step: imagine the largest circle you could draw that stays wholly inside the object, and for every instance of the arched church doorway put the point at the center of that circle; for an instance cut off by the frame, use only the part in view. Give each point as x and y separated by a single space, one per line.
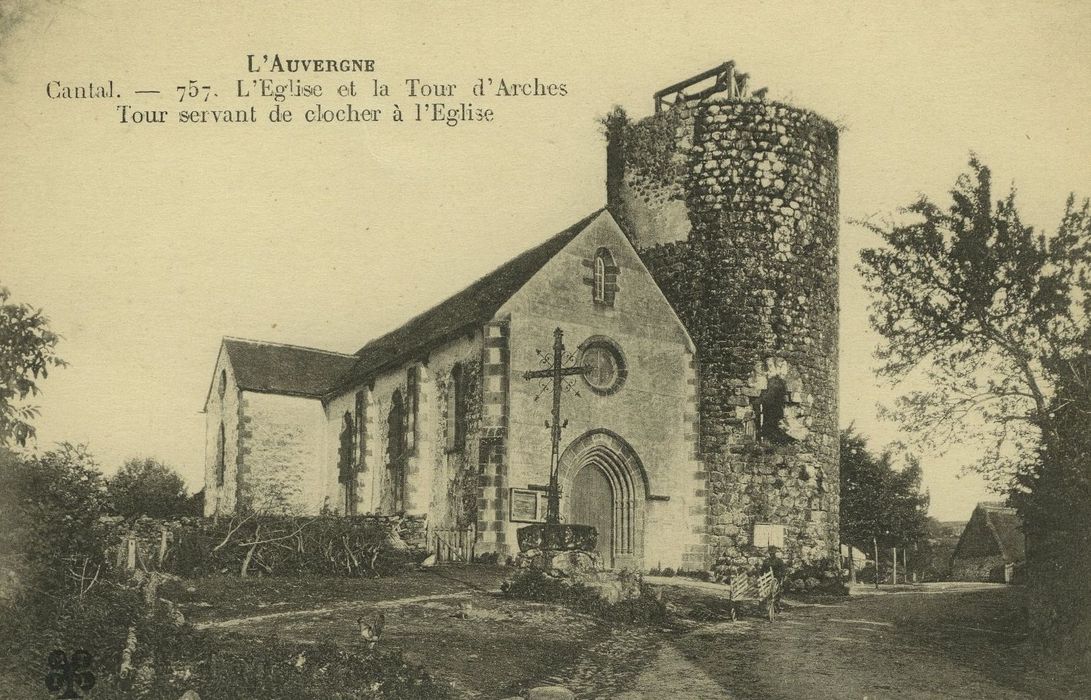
593 504
604 485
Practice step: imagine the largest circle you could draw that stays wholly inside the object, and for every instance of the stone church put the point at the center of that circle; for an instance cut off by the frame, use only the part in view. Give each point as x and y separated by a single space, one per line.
702 305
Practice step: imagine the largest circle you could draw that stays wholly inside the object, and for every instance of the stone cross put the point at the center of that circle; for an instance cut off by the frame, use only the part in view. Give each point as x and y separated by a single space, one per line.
556 373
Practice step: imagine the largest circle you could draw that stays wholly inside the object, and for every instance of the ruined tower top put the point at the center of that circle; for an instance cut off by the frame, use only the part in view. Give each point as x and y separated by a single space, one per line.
724 78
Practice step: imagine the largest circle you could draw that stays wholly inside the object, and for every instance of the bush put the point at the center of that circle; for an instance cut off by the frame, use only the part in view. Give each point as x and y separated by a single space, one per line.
147 487
822 576
50 533
50 520
171 659
536 585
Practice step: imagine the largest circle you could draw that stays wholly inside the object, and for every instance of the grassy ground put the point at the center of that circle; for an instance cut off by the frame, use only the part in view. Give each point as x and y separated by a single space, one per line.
221 597
449 620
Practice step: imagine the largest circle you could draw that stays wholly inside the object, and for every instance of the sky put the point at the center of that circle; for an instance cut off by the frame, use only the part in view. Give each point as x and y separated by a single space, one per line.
146 243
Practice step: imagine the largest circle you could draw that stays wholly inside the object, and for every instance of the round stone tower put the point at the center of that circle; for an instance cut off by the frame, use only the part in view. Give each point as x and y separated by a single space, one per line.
731 201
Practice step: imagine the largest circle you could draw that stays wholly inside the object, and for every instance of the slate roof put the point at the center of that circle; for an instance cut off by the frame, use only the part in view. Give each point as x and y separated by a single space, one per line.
286 369
298 371
470 308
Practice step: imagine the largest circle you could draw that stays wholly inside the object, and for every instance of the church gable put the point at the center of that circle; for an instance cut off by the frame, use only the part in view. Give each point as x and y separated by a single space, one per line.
264 423
598 278
629 435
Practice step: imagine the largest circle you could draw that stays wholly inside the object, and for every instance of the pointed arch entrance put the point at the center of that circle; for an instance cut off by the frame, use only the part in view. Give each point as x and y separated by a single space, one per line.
604 484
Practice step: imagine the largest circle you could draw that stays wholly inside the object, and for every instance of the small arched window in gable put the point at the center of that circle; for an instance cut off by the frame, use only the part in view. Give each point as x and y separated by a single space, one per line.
769 412
600 278
604 278
223 382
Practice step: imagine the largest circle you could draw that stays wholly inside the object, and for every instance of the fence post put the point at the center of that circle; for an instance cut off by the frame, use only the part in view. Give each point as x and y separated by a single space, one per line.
130 559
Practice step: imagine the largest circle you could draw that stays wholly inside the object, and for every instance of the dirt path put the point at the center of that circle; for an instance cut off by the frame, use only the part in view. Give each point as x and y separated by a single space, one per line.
928 644
932 642
670 674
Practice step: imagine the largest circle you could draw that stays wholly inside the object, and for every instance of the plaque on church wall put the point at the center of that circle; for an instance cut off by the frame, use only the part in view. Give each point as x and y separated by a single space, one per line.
768 535
527 506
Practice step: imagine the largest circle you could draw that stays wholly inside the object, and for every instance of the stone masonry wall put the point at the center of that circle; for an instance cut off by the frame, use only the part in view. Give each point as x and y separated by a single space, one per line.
220 498
649 420
492 481
280 452
751 270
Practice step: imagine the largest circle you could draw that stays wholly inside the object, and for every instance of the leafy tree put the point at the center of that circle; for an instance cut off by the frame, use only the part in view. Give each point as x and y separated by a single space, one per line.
974 302
27 351
879 504
148 487
996 318
932 555
49 515
1054 499
1054 495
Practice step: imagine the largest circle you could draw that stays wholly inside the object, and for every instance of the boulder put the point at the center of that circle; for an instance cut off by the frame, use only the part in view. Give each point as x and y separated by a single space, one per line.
613 587
529 560
571 562
610 591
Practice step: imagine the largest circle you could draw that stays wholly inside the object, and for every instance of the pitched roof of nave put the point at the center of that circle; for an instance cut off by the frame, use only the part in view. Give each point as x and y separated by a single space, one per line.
299 371
286 369
473 306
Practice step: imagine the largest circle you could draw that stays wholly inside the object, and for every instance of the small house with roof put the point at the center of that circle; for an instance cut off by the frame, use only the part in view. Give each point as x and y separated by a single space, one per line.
992 546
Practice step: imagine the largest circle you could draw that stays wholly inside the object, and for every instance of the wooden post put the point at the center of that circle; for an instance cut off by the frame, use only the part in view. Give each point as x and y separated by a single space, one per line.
162 545
875 544
130 559
852 566
894 571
